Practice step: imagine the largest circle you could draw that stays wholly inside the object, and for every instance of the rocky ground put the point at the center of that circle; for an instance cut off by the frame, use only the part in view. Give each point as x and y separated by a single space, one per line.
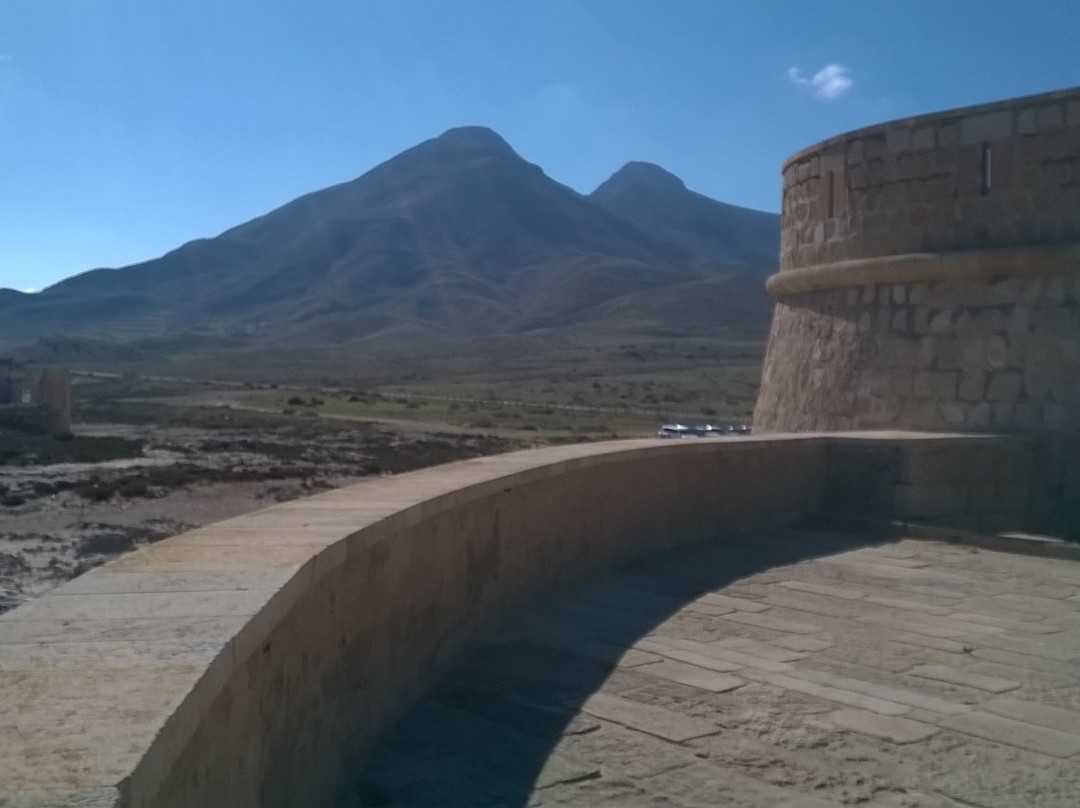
66 506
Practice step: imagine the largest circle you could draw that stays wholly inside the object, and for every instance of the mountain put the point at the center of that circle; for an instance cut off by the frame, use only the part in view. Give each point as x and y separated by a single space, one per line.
660 203
457 235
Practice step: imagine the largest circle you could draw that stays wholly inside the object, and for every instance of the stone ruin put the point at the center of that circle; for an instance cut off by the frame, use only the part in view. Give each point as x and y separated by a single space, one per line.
35 400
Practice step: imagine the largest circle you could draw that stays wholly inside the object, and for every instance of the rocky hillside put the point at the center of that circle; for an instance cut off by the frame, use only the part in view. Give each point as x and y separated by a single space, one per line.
458 235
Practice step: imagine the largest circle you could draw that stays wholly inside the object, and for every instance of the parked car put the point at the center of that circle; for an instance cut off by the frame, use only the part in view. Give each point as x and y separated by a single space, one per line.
674 431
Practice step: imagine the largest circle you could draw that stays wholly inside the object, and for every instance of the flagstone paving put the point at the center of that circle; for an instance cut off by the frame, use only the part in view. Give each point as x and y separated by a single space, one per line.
792 669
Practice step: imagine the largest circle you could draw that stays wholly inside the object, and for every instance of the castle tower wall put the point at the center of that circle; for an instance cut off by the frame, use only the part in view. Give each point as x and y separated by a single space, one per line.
930 276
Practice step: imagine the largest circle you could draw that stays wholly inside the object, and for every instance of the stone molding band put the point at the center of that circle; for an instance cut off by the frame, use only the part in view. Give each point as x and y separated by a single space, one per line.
965 265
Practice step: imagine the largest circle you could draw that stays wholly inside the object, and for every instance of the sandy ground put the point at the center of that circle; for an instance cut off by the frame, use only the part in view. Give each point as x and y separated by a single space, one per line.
130 485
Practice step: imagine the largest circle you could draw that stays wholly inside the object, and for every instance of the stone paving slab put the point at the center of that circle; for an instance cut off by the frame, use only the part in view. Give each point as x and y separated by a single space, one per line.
1015 733
897 730
904 675
646 718
1033 713
669 646
692 675
1021 626
61 798
773 623
959 676
691 657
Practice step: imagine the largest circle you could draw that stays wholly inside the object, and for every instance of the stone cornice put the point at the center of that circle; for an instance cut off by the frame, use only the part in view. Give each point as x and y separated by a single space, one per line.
982 265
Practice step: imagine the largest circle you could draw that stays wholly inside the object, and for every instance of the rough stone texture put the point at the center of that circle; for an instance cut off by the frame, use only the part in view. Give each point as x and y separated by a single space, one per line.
916 185
919 291
992 364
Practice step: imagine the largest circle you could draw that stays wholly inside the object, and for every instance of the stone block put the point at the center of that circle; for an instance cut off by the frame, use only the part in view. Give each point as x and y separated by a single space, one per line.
1003 292
941 322
971 293
965 325
1004 386
1055 417
979 417
1034 713
901 383
1049 117
1028 416
973 353
897 730
936 384
948 351
972 386
1004 416
899 294
1018 320
1030 291
854 154
986 126
897 140
1012 497
964 678
920 292
900 319
954 414
982 498
1054 289
1015 733
922 139
930 501
646 718
948 136
920 322
1025 122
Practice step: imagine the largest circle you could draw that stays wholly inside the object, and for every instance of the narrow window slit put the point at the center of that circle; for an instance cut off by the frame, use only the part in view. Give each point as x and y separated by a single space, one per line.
987 168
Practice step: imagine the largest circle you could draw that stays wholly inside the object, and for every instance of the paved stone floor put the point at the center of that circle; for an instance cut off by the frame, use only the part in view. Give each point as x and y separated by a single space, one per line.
793 669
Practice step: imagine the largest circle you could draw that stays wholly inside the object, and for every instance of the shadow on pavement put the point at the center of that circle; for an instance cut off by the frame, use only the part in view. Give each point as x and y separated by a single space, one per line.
484 734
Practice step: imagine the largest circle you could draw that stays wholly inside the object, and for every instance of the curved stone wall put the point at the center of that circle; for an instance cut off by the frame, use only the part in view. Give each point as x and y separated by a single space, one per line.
930 276
995 175
254 661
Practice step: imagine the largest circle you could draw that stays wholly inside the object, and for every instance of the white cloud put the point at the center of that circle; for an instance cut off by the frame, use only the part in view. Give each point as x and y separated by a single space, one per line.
832 81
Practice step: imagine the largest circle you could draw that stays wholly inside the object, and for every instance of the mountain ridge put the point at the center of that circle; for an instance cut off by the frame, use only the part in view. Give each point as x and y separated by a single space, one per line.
458 234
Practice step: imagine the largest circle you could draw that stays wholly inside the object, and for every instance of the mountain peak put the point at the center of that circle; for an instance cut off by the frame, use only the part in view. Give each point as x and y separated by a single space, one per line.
637 173
473 137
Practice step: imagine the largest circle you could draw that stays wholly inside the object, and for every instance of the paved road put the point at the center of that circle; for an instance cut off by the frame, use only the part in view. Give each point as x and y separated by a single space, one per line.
793 669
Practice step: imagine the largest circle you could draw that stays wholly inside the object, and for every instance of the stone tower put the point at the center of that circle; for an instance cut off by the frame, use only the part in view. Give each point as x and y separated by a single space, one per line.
930 279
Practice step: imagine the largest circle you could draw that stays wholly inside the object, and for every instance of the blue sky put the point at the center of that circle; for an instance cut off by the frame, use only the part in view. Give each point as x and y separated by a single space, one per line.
128 127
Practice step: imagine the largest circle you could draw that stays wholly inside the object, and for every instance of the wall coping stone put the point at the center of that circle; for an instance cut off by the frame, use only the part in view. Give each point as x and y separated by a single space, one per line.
911 122
961 265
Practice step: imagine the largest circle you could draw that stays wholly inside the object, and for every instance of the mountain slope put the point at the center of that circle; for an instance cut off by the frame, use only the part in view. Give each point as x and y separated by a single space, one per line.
455 235
660 203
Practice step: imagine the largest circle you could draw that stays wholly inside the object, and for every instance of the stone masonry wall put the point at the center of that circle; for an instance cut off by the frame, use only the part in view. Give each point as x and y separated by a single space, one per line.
1000 174
930 279
966 356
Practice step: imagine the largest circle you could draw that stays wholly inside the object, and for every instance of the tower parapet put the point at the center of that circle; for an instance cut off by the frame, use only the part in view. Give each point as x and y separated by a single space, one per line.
930 275
930 279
